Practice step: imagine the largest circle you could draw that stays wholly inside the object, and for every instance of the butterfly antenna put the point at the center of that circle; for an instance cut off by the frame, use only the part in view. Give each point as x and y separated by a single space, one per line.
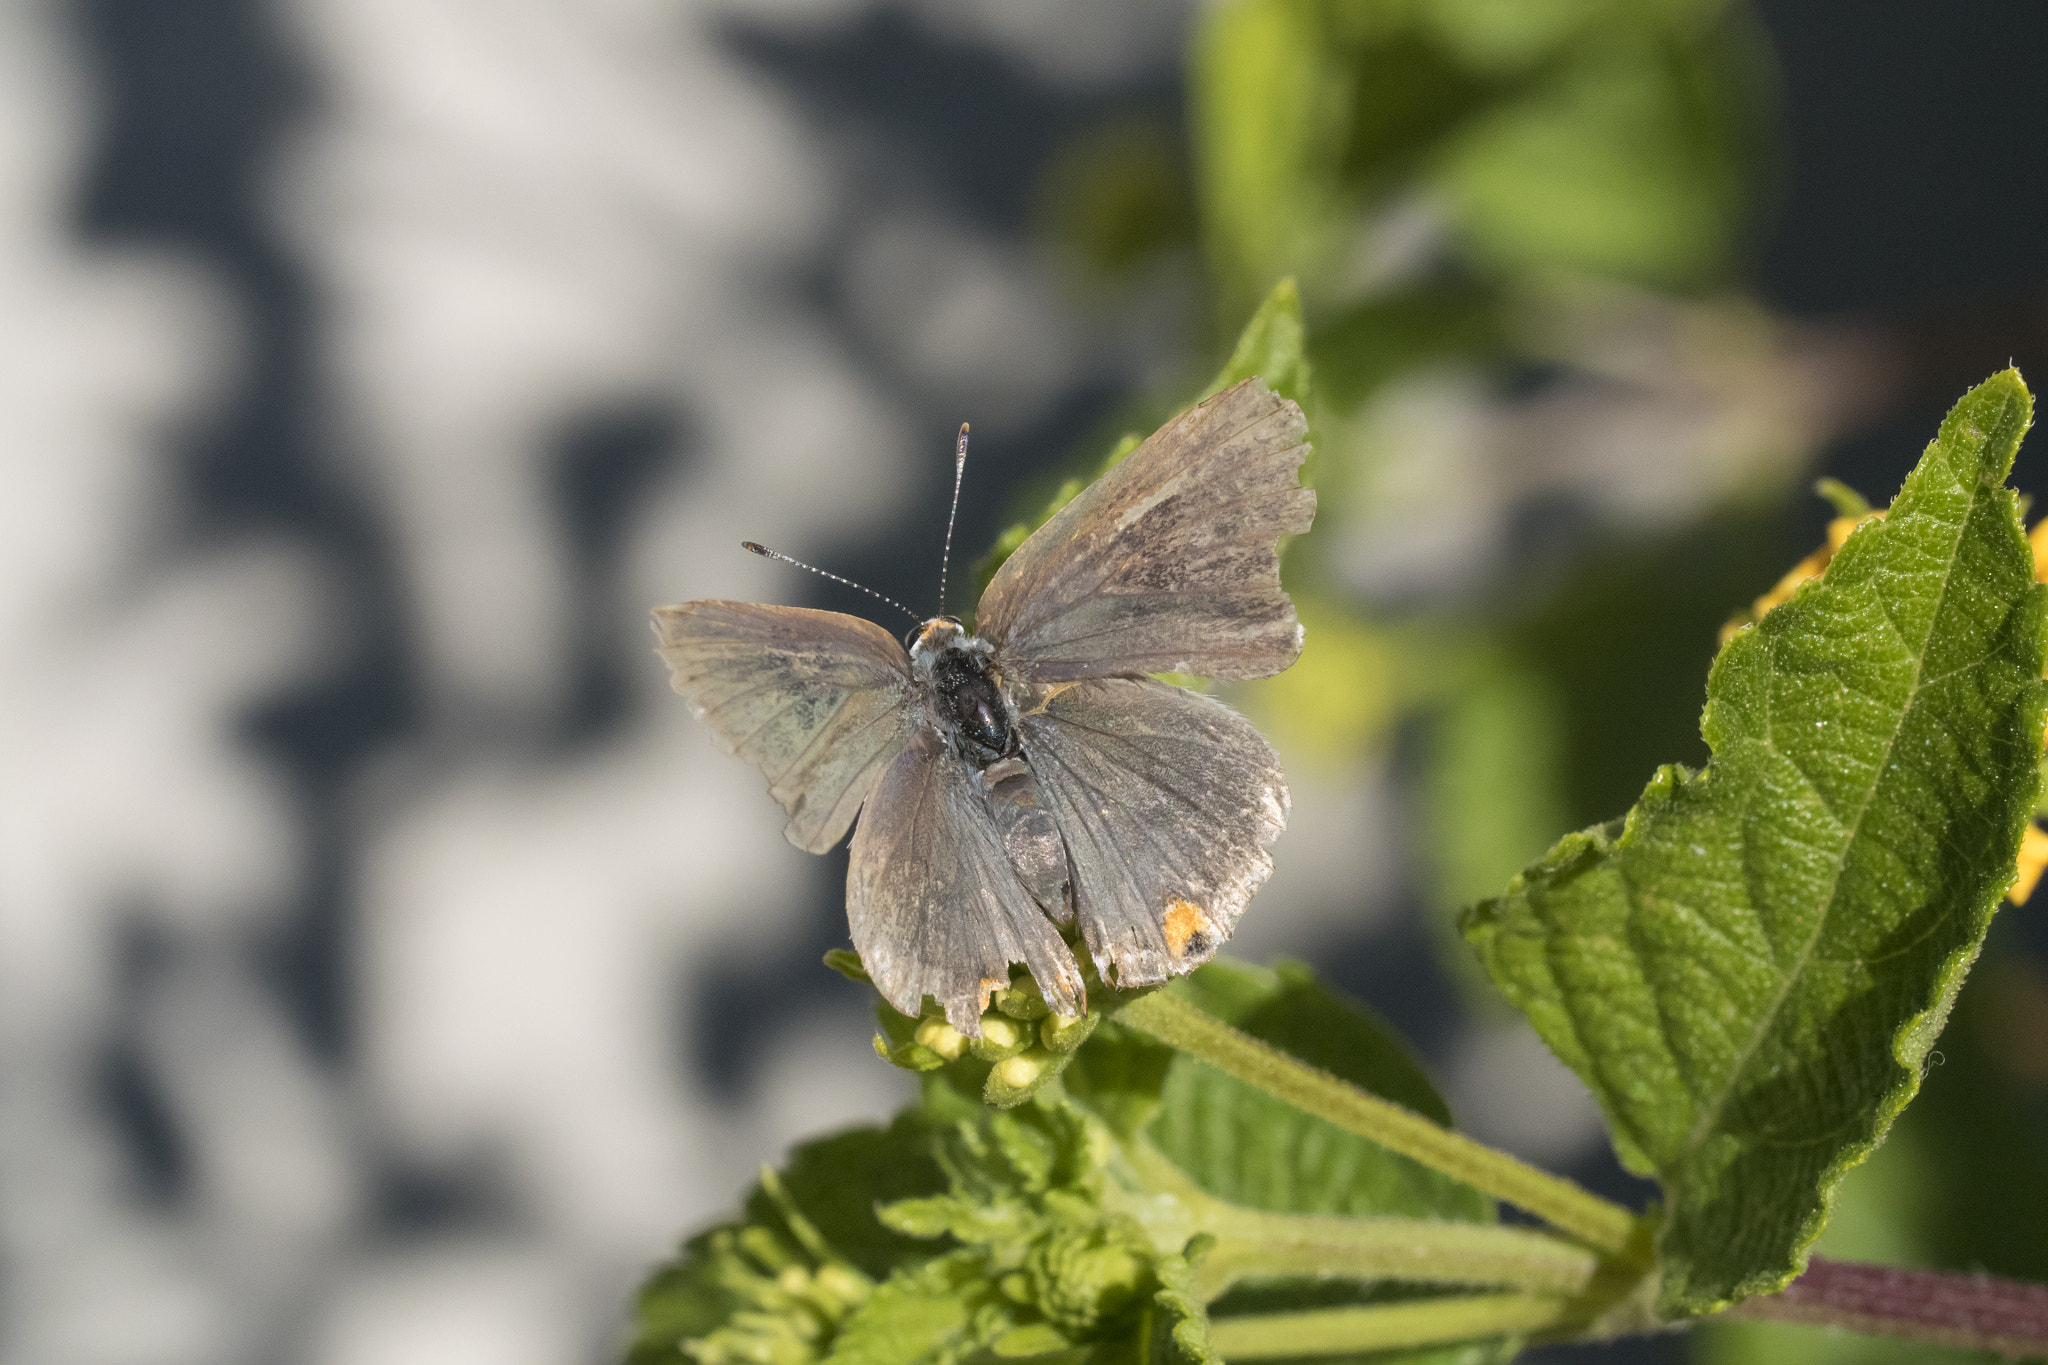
766 553
959 472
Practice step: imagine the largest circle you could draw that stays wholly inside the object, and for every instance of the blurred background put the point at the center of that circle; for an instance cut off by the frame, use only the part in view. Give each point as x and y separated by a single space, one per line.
390 971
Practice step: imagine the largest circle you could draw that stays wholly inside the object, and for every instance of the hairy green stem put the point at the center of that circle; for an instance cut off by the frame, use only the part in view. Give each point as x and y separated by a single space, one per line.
1256 1243
1604 1226
1386 1327
1413 1249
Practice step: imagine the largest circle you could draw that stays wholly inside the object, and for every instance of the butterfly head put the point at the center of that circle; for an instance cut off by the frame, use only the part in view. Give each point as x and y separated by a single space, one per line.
938 635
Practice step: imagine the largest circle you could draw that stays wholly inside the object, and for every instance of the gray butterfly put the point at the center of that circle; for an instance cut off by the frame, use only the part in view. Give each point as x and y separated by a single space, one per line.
1012 782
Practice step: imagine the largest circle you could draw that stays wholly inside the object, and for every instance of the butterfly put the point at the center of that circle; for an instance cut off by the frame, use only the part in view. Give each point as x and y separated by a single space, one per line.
1030 776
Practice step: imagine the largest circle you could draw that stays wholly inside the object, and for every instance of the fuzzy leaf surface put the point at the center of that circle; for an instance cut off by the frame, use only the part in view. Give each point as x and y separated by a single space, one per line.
1749 972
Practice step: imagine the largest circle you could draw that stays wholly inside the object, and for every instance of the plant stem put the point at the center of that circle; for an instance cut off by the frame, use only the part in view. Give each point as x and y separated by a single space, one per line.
1423 1322
1604 1226
1413 1249
1258 1243
1975 1312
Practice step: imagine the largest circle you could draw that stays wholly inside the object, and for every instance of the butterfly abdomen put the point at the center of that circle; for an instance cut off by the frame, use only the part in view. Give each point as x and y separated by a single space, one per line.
1031 841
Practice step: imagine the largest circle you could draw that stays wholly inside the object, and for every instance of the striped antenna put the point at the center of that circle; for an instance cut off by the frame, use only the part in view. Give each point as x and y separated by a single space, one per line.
766 553
959 472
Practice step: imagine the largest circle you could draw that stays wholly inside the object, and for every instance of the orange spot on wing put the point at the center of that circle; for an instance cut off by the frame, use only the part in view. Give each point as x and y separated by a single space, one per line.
1184 920
989 986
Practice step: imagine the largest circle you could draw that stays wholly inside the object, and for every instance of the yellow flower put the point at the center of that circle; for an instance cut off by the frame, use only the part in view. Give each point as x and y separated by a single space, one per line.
1813 566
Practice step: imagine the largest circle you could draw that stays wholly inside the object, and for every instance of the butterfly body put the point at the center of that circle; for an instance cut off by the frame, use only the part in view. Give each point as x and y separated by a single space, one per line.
963 697
966 706
1033 776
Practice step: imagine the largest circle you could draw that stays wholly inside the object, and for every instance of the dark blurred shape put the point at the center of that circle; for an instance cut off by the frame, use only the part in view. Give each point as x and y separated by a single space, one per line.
1118 195
198 94
605 460
158 1158
957 121
1917 170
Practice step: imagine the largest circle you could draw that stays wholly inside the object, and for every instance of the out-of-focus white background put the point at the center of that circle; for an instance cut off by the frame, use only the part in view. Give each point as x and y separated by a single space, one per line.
389 971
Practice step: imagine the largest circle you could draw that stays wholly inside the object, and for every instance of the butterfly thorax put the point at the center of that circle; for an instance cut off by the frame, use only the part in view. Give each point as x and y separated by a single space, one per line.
963 694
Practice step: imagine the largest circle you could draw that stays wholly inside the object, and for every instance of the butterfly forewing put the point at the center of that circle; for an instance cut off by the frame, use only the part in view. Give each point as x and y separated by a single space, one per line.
1167 801
1168 563
933 903
819 702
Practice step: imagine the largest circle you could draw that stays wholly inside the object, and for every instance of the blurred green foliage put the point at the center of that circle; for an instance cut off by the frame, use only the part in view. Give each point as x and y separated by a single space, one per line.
1596 136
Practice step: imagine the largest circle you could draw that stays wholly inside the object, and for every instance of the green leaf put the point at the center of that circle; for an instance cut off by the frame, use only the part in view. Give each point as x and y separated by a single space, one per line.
1266 123
1244 1146
1749 972
835 1182
847 963
1119 1075
1047 1263
1271 347
768 1293
773 1288
935 1314
680 1302
1173 1328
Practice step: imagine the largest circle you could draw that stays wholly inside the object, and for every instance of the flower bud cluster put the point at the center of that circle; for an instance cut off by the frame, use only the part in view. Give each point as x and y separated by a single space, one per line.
788 1303
1023 1044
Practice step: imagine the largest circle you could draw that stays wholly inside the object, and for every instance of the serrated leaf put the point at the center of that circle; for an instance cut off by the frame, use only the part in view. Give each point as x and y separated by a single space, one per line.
1244 1146
1750 971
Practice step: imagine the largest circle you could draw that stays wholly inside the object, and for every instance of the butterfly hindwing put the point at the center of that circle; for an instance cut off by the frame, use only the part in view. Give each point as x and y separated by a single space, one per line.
1166 801
1168 563
933 903
819 702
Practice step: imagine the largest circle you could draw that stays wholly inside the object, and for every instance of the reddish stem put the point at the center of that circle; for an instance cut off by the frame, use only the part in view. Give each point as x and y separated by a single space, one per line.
1975 1312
